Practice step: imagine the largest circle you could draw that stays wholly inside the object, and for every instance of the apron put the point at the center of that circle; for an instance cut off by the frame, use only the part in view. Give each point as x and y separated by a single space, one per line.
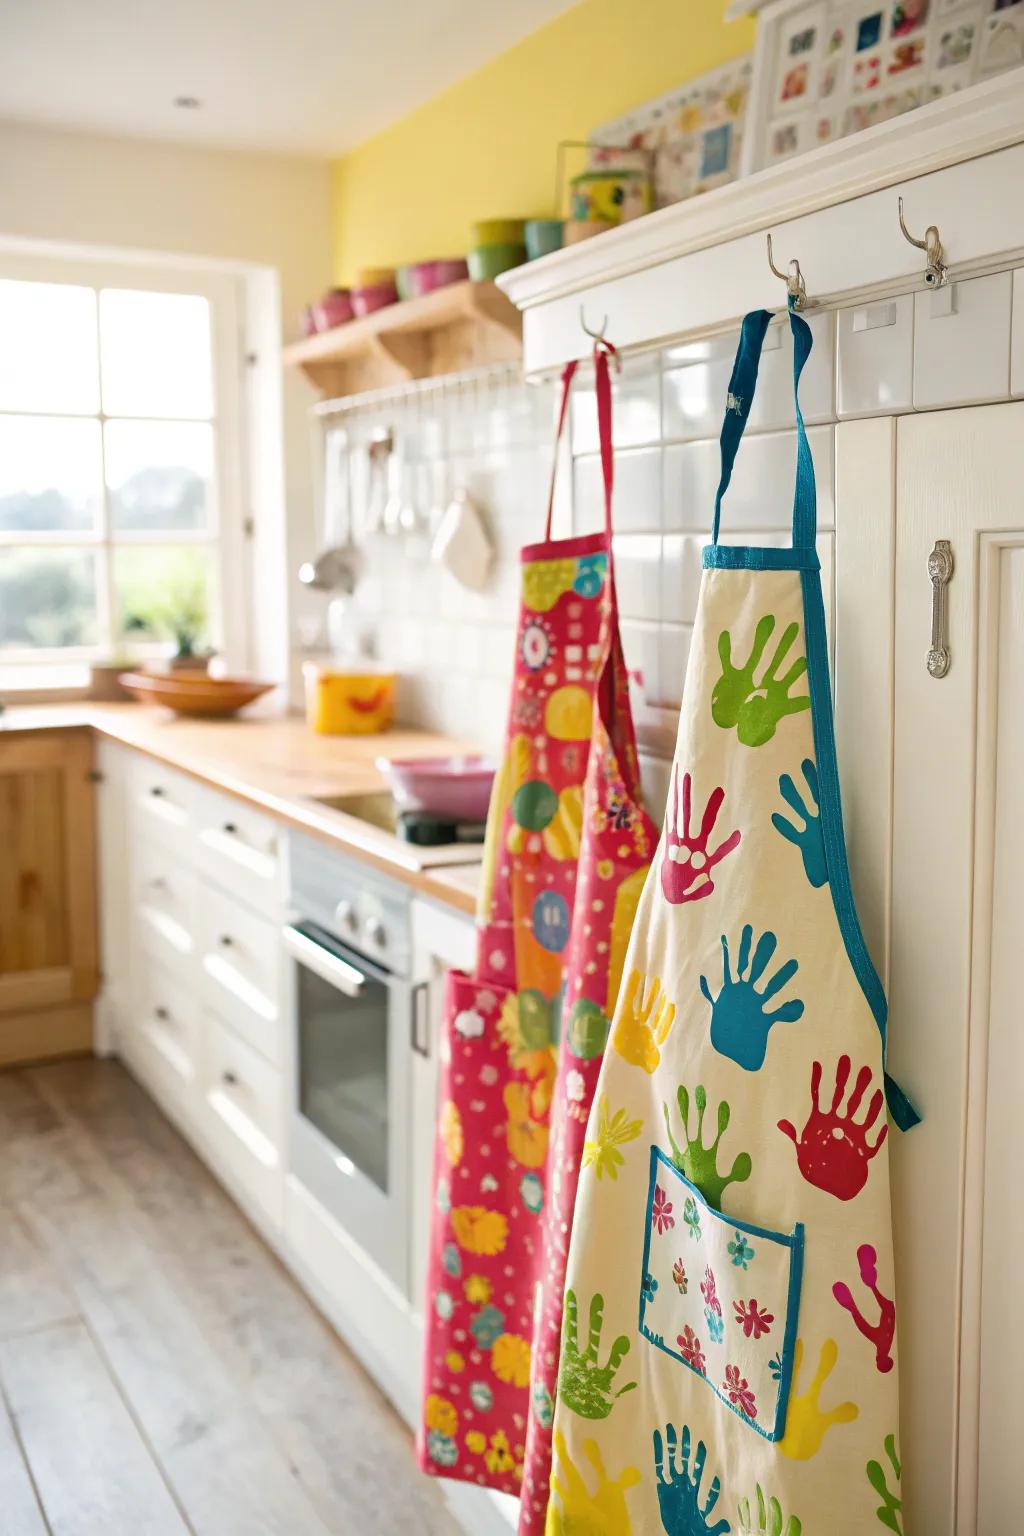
729 1349
570 752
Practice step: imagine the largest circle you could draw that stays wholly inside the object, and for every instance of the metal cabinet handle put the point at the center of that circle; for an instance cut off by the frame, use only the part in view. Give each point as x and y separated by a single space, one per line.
940 571
420 1020
225 940
230 828
163 1014
230 1078
157 791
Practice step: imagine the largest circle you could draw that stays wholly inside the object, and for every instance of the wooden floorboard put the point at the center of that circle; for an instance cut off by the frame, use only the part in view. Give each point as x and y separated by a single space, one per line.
19 1507
92 1469
32 1291
260 1420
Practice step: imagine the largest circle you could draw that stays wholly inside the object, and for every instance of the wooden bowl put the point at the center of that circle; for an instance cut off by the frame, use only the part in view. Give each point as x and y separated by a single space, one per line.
194 693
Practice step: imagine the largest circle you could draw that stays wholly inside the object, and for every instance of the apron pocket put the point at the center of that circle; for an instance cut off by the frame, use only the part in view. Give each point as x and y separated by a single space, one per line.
722 1297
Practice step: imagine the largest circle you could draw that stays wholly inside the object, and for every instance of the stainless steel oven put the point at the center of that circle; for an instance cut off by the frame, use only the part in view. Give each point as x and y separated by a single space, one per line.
348 942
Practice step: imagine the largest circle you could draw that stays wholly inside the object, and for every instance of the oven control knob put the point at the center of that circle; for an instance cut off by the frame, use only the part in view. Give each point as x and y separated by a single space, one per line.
375 933
345 916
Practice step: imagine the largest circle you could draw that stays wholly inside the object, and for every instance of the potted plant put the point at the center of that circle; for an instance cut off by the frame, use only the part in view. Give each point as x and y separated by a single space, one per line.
179 612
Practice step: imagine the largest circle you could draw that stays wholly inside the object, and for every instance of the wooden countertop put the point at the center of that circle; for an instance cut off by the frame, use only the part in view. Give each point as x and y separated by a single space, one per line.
278 764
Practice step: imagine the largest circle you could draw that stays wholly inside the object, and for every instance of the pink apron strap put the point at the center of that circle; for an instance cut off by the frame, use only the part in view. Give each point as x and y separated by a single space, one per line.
603 350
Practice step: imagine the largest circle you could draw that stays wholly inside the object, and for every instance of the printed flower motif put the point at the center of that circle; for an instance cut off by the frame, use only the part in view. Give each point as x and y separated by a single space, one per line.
543 1405
477 1289
488 1325
442 1199
575 1086
489 1184
602 1152
527 1138
531 1192
451 1261
486 1001
662 1210
499 1458
443 1305
679 1276
450 1127
709 1291
469 1024
481 1396
478 1230
690 1349
716 1325
441 1449
454 1361
738 1392
488 1075
510 1359
691 1215
648 1287
740 1251
476 1442
440 1414
753 1320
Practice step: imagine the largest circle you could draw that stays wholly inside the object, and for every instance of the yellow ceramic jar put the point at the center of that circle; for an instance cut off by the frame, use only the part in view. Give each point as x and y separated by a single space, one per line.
340 702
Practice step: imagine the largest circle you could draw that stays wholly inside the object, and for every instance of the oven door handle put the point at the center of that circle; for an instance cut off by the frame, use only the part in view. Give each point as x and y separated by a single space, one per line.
330 968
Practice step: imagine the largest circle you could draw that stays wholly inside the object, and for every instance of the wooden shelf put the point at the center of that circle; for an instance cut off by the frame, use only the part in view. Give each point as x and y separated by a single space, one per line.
466 325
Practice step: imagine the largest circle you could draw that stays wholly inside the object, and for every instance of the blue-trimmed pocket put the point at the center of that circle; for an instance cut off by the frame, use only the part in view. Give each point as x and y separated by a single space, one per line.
722 1297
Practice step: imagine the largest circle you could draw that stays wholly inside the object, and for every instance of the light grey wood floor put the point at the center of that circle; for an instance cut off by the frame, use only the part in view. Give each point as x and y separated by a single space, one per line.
160 1372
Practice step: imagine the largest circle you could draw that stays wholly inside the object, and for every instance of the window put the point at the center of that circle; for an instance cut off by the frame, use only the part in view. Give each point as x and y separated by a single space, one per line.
112 475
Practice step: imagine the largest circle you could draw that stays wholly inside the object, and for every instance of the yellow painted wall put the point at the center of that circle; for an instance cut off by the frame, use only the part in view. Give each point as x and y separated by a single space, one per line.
486 146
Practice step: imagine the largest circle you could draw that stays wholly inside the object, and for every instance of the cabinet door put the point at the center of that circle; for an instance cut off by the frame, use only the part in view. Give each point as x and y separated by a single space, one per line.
957 930
47 889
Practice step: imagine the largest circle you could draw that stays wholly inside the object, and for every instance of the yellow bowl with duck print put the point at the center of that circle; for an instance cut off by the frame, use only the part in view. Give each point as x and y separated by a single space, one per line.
348 703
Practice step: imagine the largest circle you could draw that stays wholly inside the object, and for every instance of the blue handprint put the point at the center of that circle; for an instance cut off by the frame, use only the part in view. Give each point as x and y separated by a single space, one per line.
739 1020
678 1492
808 838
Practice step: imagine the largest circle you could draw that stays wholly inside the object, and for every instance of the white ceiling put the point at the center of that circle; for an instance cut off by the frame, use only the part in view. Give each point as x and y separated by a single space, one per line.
312 76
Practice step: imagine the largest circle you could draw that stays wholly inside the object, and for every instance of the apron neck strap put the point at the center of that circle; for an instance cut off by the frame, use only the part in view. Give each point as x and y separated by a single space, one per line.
740 398
603 351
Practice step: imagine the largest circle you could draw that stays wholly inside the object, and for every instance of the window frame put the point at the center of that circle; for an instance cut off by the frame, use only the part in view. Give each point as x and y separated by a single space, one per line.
225 534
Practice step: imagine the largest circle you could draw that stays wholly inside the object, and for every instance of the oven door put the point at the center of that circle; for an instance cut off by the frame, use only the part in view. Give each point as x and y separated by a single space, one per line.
348 1136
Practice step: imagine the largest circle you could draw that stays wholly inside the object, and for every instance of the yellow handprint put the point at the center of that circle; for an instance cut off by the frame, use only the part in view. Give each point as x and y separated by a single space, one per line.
642 1024
581 1513
806 1425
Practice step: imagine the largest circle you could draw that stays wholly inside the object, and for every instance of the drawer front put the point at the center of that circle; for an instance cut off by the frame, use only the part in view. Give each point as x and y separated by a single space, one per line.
165 905
243 1098
241 969
162 1040
239 848
163 803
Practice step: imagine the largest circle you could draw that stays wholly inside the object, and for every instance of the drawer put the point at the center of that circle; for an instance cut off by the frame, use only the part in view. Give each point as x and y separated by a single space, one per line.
165 904
241 968
162 1039
163 803
243 1113
239 848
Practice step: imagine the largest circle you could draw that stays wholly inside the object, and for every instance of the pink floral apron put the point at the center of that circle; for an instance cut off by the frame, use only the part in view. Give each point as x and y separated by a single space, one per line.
563 823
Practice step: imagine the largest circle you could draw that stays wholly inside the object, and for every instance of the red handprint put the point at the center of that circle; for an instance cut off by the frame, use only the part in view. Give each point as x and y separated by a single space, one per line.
687 865
832 1150
881 1333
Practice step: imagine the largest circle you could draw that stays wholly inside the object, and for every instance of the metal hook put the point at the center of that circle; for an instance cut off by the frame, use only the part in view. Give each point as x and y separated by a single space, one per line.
936 272
594 335
794 280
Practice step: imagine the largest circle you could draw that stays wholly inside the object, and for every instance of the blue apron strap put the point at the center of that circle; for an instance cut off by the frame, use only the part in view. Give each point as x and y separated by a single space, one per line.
742 384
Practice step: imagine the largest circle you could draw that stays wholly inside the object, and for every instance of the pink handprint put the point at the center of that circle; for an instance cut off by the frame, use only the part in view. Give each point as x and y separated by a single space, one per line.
880 1334
687 865
832 1150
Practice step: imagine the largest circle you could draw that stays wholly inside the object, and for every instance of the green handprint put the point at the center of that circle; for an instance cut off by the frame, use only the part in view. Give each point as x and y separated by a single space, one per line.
755 708
891 1508
769 1518
585 1386
698 1162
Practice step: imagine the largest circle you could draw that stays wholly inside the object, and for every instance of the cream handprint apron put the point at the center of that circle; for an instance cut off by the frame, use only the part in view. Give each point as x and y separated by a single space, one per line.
729 1349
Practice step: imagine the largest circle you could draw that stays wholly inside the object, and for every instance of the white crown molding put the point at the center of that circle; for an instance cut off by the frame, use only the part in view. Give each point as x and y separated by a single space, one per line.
977 121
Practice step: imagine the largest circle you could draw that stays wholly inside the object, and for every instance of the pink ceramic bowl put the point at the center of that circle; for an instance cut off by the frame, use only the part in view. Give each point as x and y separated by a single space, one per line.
457 788
425 276
366 300
333 309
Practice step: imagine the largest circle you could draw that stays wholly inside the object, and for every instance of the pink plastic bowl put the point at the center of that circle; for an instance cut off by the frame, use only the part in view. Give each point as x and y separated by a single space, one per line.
333 309
456 788
366 300
425 276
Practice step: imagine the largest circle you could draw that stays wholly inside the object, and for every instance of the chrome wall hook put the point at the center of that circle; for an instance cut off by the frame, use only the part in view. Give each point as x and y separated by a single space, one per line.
594 335
936 272
796 288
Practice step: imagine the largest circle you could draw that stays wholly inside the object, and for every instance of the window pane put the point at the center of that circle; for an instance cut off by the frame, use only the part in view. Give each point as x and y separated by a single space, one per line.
155 353
162 593
158 473
50 474
47 598
48 348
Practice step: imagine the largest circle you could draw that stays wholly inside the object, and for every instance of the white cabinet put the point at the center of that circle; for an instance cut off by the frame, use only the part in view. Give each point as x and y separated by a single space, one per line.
244 1115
